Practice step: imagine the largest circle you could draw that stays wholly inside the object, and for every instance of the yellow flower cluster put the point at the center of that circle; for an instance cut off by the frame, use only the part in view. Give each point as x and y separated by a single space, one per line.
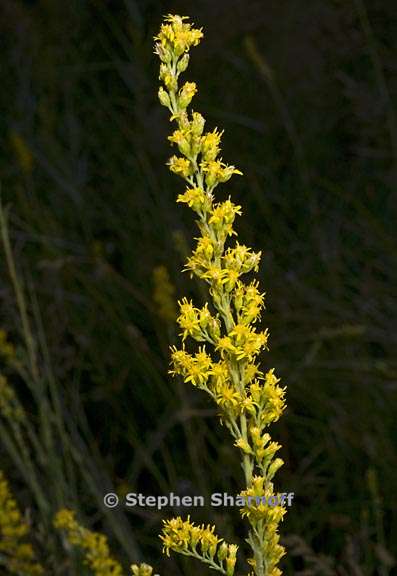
265 519
9 404
198 164
199 542
142 570
163 294
248 399
17 554
7 350
94 546
176 37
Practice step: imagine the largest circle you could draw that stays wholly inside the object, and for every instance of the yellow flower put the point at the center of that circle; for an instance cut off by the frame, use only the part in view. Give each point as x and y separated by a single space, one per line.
210 145
273 397
180 166
251 372
227 397
163 294
243 445
182 139
231 559
94 545
201 260
219 373
242 259
185 537
176 36
189 321
197 124
216 172
18 554
195 369
186 93
231 278
7 350
164 98
253 345
141 570
9 403
215 275
248 405
225 345
248 401
222 217
240 333
196 198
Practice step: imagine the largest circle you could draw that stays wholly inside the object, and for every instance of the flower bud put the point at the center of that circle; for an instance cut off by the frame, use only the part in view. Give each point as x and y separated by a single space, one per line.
183 63
186 94
222 551
164 53
164 98
180 166
211 178
205 317
243 445
212 550
228 172
195 533
230 564
238 297
251 262
197 125
141 570
170 82
214 329
164 70
274 466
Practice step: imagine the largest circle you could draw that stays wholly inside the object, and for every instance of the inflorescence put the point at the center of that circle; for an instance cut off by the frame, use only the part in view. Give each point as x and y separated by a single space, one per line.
225 362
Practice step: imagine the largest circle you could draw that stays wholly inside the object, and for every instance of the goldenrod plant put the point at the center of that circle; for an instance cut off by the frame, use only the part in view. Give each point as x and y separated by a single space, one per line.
225 363
94 546
16 553
10 407
40 438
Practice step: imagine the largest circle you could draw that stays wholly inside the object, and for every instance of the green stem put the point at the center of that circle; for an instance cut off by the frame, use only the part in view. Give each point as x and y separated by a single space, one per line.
208 561
30 344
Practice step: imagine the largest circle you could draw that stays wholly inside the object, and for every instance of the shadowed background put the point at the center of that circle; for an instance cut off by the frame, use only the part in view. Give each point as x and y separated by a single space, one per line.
306 93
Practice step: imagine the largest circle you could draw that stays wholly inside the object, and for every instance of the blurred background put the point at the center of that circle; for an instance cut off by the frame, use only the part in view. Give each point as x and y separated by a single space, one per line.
94 245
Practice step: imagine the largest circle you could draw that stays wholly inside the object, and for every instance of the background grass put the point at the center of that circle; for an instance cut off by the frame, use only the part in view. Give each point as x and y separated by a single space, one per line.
306 92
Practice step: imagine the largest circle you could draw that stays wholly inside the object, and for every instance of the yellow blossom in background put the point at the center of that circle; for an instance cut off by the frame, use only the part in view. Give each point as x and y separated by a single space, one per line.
226 363
142 570
9 403
93 545
22 152
7 350
163 295
16 554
